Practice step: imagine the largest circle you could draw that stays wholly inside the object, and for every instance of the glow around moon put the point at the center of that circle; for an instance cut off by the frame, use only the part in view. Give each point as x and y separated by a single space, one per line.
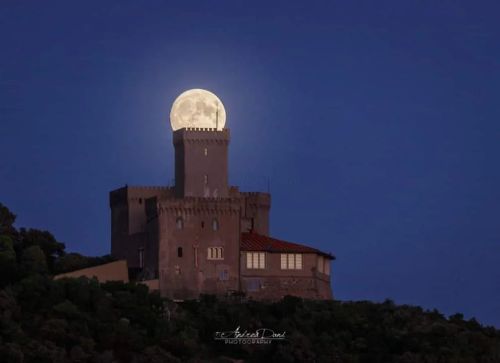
197 108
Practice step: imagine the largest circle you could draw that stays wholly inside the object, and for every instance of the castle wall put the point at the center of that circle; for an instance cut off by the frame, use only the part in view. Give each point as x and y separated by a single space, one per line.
129 230
187 276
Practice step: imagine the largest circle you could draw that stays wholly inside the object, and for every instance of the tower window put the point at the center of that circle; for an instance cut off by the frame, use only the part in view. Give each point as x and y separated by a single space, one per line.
140 200
202 224
179 252
179 223
206 151
215 224
205 179
141 257
215 253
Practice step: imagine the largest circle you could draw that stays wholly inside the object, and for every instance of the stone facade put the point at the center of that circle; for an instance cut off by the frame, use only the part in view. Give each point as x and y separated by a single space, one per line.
189 236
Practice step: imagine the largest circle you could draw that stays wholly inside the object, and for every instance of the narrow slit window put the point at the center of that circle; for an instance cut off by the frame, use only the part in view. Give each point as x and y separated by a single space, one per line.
179 223
179 252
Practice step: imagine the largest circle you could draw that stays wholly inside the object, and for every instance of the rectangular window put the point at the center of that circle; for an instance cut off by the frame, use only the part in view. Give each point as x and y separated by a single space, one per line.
298 261
141 257
283 261
224 275
253 284
291 261
256 260
327 266
261 260
215 253
321 264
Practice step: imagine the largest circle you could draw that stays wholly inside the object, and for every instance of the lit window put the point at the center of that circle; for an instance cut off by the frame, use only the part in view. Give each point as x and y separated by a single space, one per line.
298 261
291 261
179 223
256 260
206 151
327 266
215 253
215 224
321 263
283 261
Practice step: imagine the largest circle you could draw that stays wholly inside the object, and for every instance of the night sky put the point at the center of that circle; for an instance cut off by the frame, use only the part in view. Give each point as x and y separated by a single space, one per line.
377 123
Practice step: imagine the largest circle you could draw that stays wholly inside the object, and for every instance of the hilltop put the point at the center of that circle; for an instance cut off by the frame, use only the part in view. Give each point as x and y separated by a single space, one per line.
80 320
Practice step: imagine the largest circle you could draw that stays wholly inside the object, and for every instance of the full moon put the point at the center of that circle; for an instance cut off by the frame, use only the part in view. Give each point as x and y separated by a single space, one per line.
197 108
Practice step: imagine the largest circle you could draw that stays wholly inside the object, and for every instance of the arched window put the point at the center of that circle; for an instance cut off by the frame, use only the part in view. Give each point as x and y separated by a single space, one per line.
179 223
215 224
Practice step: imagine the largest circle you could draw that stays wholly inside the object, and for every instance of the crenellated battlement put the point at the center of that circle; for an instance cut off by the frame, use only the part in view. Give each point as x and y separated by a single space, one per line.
201 135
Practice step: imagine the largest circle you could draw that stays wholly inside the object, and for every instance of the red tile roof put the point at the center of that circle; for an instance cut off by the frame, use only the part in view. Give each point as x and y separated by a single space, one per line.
258 242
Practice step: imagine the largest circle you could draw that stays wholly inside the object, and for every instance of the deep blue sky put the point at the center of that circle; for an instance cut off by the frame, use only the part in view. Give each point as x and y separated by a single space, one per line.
378 123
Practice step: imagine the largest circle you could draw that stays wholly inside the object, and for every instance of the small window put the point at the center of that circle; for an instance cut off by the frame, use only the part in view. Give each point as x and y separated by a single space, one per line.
205 179
256 260
140 200
215 224
179 223
141 257
215 253
224 275
321 263
179 252
253 284
206 151
202 224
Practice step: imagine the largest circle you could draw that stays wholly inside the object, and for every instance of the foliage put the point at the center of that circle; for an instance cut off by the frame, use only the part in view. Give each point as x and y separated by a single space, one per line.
81 320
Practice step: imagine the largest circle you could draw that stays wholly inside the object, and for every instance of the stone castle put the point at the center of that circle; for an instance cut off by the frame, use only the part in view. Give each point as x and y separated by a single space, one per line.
203 236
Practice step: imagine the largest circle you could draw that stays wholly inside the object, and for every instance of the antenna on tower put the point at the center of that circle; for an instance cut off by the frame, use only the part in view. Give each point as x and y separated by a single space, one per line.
217 117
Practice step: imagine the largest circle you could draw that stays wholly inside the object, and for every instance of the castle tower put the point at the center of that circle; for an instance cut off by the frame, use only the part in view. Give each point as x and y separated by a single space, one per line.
201 162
